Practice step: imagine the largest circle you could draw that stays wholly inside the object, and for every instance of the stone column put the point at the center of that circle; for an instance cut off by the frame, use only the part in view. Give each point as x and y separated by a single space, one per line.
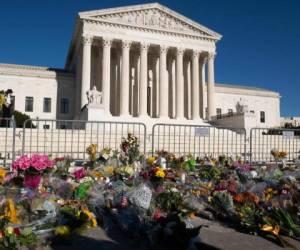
202 85
143 79
163 84
179 84
189 92
124 96
211 87
173 72
195 88
106 75
86 68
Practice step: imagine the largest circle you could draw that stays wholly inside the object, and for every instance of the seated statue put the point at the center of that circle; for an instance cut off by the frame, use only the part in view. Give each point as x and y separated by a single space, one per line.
94 96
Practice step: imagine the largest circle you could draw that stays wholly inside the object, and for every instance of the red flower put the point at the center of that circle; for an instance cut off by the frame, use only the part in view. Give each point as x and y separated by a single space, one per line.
157 214
17 231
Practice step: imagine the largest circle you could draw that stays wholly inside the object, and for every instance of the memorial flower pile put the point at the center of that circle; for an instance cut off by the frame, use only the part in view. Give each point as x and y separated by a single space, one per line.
152 199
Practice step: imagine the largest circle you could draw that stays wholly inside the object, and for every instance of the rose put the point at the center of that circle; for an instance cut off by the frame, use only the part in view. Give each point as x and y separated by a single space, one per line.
17 231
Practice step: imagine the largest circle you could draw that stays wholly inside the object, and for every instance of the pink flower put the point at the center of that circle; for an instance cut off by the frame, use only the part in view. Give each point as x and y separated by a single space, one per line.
41 162
79 173
38 162
22 163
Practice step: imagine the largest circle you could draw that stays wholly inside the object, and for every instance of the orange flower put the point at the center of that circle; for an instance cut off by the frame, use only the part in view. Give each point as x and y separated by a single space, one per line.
246 197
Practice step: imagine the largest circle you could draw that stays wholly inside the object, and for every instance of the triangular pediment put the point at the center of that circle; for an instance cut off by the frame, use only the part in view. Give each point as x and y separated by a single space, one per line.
151 16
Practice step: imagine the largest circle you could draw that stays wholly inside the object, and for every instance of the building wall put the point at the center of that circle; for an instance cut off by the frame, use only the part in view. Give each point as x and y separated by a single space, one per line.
38 83
257 101
294 121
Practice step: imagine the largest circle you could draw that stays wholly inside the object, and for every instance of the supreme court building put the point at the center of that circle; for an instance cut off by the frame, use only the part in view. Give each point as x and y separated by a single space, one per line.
139 63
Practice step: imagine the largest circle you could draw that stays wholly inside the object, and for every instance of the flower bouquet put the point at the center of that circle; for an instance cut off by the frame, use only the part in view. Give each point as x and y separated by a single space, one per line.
32 168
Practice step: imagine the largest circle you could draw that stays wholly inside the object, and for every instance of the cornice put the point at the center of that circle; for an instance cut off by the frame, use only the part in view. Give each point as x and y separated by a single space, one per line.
34 71
245 91
148 29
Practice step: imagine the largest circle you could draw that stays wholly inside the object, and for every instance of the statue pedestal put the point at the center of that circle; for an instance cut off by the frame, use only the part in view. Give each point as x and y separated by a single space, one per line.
93 112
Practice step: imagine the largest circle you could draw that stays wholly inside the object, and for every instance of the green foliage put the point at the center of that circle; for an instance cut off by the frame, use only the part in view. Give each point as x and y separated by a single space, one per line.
20 118
169 200
210 173
222 201
286 221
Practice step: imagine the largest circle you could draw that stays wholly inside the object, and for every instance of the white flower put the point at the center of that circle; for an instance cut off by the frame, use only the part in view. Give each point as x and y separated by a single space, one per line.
86 179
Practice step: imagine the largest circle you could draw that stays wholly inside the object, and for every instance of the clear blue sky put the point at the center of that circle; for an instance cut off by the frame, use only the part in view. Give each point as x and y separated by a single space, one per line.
260 45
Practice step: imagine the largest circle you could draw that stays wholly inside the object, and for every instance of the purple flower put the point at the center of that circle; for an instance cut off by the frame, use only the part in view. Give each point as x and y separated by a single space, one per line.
244 168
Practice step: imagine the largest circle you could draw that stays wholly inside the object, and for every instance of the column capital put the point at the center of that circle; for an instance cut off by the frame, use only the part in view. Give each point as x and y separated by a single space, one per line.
163 49
144 46
180 51
196 53
211 55
86 40
106 42
126 44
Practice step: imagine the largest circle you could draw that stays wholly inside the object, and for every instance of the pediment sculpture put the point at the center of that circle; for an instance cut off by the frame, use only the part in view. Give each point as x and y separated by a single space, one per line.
94 97
152 18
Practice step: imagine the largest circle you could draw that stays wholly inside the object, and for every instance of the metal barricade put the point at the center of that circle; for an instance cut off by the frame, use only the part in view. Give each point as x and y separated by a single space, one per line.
199 140
71 137
263 140
7 141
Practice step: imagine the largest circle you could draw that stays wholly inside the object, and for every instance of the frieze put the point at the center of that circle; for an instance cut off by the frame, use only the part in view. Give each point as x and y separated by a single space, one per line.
94 27
151 18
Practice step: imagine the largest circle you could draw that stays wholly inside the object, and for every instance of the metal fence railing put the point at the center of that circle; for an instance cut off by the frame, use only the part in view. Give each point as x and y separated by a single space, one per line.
199 140
263 140
8 139
72 137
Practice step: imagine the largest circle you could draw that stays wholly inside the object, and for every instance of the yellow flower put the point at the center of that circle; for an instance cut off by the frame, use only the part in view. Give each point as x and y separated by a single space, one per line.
151 160
9 230
92 151
109 170
62 230
160 173
10 211
91 217
2 100
2 175
96 174
272 229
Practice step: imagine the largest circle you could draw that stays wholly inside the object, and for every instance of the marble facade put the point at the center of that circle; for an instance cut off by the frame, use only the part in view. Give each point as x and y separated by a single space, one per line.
147 60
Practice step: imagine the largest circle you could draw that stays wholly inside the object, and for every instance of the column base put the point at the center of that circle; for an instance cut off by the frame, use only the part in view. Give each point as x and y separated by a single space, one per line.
126 116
